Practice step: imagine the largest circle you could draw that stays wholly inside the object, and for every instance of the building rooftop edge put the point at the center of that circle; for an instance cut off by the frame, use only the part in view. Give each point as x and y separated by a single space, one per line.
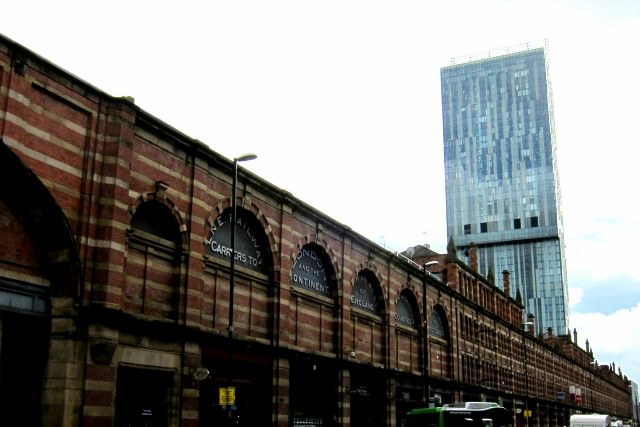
496 53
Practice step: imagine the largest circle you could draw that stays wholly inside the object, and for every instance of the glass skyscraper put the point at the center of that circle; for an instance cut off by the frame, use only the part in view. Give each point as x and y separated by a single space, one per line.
501 180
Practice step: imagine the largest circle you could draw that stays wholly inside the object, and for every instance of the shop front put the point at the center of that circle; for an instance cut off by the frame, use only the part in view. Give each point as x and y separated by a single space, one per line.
409 395
237 391
24 331
313 392
144 397
368 394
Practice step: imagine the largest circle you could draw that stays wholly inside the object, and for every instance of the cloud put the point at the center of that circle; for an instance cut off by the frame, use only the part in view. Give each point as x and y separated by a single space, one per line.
575 296
604 296
597 249
613 338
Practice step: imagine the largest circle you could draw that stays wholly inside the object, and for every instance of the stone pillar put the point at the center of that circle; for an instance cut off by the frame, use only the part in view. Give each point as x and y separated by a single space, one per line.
62 394
344 409
392 407
192 373
281 390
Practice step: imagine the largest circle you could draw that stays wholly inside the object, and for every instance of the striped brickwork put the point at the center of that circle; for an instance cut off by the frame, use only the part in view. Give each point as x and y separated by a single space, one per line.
153 304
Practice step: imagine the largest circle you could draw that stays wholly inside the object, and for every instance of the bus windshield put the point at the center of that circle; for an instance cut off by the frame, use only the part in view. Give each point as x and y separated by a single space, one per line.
462 415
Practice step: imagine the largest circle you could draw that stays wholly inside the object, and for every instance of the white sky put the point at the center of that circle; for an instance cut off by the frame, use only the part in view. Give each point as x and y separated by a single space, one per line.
341 102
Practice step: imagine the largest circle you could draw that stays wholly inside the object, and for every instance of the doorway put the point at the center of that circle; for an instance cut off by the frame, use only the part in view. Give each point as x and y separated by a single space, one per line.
23 356
143 397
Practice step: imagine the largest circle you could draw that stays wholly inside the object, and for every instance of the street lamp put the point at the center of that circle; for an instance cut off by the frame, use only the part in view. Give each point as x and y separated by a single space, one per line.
229 391
242 158
425 332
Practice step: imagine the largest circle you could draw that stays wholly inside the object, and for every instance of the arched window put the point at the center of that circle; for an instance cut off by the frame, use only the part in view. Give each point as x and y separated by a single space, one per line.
152 267
312 270
253 281
406 310
251 244
313 284
366 294
436 327
439 343
368 308
155 218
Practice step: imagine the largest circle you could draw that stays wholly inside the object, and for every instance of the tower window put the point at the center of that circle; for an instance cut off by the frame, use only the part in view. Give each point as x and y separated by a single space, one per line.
516 224
534 221
483 227
467 229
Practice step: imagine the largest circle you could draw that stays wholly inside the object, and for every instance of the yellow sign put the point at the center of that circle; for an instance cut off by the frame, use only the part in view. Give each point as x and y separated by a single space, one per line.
527 413
227 395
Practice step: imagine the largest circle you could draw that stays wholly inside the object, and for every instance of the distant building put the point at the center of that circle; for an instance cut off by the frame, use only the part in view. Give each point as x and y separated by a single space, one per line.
502 186
635 400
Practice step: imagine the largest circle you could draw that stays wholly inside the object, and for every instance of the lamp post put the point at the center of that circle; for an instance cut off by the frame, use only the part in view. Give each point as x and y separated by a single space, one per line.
425 332
229 390
242 158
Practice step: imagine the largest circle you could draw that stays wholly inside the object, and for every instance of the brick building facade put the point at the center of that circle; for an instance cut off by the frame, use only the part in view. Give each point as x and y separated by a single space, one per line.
115 290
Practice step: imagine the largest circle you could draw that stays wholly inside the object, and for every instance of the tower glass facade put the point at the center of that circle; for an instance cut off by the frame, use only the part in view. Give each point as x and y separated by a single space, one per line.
502 189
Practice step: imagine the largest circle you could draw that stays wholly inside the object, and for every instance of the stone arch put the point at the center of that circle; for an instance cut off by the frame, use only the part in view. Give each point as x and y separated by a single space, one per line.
160 197
156 244
411 287
44 221
246 206
407 308
254 272
314 297
374 279
327 250
312 269
372 269
39 247
440 346
369 317
439 323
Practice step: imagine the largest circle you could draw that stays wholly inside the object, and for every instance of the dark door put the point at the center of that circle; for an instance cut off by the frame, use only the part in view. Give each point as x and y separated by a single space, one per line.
143 397
23 355
368 399
252 391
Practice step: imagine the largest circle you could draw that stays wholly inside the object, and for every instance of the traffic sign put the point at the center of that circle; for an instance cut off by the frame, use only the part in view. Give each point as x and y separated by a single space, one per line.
227 395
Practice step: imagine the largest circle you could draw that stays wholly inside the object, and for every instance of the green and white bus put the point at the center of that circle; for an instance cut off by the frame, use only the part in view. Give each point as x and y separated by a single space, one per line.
467 414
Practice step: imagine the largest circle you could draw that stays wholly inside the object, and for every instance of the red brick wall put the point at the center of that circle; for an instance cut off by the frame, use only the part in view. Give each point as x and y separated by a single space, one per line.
19 258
